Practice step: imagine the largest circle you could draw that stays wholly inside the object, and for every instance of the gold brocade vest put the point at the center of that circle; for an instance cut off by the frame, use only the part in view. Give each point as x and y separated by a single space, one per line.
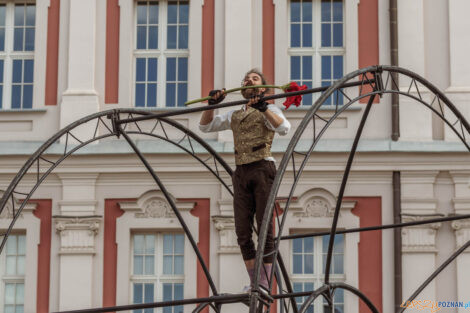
251 137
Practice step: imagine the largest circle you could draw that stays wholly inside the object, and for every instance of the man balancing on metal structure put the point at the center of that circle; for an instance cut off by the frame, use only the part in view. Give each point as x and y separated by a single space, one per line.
253 128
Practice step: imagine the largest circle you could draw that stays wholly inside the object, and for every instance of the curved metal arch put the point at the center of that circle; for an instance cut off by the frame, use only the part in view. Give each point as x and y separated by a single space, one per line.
372 78
109 131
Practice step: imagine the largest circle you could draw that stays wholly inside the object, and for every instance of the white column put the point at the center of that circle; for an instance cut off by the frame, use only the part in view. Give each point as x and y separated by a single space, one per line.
459 37
78 194
462 235
232 273
77 248
415 119
80 97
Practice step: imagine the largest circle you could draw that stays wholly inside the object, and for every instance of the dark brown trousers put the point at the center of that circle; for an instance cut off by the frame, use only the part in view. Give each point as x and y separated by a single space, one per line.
252 183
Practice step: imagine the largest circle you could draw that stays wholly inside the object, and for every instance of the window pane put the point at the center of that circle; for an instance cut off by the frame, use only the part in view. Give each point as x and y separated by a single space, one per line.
142 13
153 13
171 69
20 265
1 72
326 240
148 293
297 245
152 70
308 259
167 292
18 39
141 37
1 95
306 35
140 70
307 99
11 245
10 309
167 244
295 11
182 69
170 94
150 244
16 97
297 264
307 67
326 68
182 94
179 290
171 39
138 244
2 15
29 40
179 244
326 35
11 265
172 12
339 296
19 293
179 265
326 10
27 96
30 15
295 68
19 14
337 10
307 11
337 35
149 265
338 264
308 245
184 13
2 38
138 293
151 95
327 102
9 293
139 95
153 37
138 265
295 35
339 244
183 37
167 265
28 71
17 70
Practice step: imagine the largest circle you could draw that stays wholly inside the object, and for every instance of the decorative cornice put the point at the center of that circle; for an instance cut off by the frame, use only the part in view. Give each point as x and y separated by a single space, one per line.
419 205
420 238
77 233
462 233
228 239
7 212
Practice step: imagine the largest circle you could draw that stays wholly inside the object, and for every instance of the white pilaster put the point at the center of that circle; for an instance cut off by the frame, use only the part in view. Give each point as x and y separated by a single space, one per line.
77 247
462 235
417 191
415 119
80 98
78 194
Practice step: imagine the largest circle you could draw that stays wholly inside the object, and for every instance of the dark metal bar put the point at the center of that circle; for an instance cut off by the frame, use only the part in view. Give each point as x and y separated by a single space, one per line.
435 273
286 277
397 241
343 187
357 292
312 297
230 104
379 227
173 206
216 299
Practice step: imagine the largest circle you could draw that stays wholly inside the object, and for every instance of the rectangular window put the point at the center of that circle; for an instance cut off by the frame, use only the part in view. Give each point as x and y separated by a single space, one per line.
12 269
161 53
158 269
308 267
316 49
17 33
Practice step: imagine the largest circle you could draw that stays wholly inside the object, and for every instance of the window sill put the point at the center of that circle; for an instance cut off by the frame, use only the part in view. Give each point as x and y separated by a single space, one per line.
8 111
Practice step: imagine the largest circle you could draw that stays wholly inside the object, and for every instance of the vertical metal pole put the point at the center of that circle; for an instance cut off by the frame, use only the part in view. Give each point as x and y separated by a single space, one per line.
394 62
397 240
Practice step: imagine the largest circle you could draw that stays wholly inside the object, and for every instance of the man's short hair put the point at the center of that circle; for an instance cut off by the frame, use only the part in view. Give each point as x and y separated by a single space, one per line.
263 78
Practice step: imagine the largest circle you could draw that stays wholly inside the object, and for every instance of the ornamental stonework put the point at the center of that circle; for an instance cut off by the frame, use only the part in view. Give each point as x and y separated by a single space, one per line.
316 207
77 234
155 208
462 233
228 238
419 238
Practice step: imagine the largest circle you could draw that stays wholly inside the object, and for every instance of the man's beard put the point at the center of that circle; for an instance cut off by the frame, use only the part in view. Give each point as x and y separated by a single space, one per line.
250 92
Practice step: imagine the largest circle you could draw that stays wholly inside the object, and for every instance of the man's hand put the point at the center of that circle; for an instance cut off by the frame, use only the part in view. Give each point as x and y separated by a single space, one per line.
255 103
217 96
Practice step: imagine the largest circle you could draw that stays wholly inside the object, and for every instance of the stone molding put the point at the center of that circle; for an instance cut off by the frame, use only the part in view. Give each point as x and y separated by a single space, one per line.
228 238
77 234
420 238
7 212
462 233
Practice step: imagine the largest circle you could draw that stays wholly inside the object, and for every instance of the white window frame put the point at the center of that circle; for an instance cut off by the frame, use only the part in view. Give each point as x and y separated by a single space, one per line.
162 53
8 55
158 278
318 275
11 279
316 51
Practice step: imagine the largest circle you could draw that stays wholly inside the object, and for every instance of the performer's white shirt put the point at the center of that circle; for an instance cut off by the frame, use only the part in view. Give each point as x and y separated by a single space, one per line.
222 122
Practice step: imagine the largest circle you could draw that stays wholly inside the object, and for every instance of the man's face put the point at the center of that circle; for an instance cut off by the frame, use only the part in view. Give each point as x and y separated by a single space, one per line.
252 79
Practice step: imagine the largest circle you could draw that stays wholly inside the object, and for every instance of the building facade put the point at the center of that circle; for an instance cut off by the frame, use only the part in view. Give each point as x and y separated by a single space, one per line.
98 231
